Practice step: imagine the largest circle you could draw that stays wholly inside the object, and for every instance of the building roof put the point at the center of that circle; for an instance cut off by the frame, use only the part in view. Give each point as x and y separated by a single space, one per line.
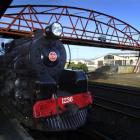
114 54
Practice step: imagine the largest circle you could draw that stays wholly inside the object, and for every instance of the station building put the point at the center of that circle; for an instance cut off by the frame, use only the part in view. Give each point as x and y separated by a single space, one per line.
111 59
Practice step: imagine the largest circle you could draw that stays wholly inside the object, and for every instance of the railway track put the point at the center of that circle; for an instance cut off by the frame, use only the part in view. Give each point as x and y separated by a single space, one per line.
10 129
117 106
81 134
119 88
125 109
121 94
94 134
119 99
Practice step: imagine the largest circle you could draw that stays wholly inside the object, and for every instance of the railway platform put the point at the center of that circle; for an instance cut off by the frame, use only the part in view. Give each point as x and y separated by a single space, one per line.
10 129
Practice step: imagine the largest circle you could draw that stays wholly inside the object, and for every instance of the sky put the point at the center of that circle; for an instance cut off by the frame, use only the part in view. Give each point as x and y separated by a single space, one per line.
126 10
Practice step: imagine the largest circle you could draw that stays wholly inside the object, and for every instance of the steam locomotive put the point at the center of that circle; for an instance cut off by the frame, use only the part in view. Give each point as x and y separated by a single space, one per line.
45 95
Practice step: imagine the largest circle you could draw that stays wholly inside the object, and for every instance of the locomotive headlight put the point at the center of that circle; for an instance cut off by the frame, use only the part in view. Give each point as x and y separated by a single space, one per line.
54 29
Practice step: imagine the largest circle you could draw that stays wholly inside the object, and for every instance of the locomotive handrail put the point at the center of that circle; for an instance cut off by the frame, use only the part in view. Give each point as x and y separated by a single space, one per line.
80 26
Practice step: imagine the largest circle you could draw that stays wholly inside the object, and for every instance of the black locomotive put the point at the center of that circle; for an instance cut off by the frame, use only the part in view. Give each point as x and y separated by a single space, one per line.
47 96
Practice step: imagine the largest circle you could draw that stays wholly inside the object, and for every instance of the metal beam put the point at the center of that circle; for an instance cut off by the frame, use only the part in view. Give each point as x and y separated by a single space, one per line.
80 26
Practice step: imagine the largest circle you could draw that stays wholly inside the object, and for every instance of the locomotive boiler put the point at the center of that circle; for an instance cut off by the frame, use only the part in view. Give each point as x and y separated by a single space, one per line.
47 96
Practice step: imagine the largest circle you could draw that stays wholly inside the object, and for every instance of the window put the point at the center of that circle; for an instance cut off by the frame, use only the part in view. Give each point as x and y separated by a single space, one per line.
109 57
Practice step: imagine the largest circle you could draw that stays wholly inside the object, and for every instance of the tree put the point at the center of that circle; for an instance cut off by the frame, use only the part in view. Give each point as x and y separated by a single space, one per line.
79 66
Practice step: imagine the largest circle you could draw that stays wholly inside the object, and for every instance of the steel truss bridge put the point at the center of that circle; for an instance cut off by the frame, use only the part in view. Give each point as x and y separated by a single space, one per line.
80 26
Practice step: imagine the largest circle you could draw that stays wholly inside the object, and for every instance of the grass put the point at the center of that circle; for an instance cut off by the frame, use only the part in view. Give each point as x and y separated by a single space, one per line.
119 79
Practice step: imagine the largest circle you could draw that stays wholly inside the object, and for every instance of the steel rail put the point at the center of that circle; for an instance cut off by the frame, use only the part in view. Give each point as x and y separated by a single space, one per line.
117 88
125 109
113 100
94 133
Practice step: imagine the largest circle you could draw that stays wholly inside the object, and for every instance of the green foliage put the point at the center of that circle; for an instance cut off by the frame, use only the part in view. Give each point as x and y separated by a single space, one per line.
79 66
